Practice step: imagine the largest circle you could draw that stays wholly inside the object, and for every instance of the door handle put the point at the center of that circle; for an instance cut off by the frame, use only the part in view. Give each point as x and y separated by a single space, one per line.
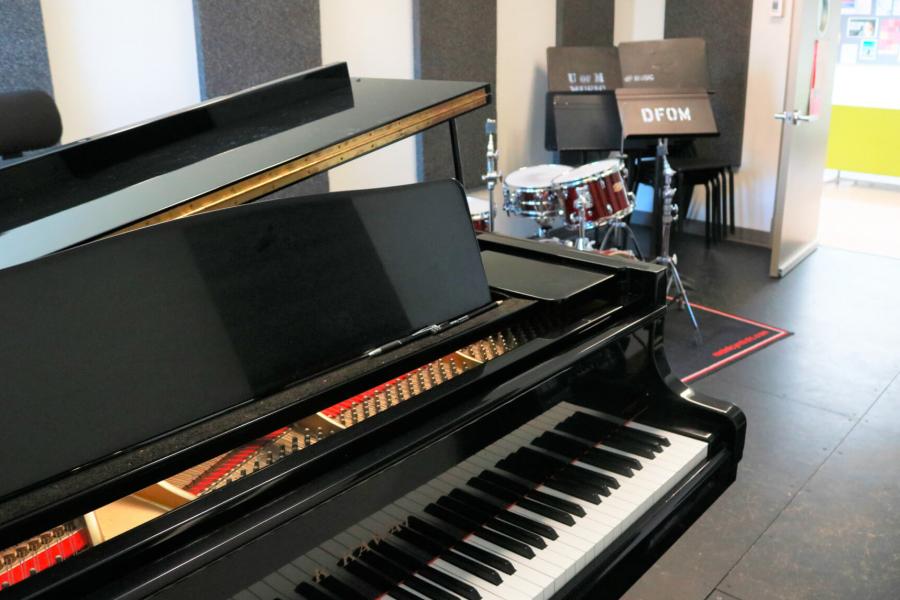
794 117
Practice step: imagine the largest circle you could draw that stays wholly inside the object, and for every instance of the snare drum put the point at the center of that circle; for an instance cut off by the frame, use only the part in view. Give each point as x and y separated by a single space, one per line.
604 185
480 213
529 192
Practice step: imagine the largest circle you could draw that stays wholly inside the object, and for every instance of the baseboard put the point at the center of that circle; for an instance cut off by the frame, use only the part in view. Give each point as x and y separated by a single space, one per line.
753 237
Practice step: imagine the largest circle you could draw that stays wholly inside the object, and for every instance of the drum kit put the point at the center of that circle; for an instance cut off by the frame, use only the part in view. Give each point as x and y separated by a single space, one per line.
562 199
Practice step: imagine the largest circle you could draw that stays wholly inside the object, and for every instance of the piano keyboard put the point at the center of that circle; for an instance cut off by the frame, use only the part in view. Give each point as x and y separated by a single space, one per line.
516 520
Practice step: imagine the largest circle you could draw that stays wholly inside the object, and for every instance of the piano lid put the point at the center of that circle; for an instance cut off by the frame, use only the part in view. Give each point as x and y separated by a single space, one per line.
220 153
116 342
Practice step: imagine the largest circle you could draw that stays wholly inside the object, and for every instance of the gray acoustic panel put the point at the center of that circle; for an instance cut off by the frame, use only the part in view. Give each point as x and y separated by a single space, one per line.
241 44
726 28
584 22
23 48
456 40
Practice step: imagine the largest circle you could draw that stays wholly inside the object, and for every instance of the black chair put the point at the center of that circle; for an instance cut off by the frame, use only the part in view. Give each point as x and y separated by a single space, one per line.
717 178
29 120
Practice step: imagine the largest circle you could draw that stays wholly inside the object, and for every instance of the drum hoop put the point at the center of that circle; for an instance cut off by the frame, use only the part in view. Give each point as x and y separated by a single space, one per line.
533 189
596 176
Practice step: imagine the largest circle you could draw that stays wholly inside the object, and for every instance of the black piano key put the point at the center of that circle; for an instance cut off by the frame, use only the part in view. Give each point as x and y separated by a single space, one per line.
483 556
420 541
494 523
523 550
425 543
557 465
586 428
561 444
454 585
586 453
412 556
612 462
365 573
343 590
507 496
475 568
556 481
399 574
510 517
309 591
629 432
550 500
574 489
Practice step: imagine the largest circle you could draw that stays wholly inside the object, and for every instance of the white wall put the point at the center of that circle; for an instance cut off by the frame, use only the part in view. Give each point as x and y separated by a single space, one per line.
524 32
638 20
376 40
115 63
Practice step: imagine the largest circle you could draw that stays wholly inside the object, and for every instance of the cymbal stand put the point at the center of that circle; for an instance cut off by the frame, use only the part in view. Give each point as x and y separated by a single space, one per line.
670 215
493 176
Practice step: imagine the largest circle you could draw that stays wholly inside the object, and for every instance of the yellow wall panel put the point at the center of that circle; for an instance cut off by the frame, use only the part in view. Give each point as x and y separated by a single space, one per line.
866 140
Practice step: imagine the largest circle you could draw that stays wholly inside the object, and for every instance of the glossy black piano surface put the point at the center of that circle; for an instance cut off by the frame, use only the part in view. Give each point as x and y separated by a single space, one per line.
90 188
381 427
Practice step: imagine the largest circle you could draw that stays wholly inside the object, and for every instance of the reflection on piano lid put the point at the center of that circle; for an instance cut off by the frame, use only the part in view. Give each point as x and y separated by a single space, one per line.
220 153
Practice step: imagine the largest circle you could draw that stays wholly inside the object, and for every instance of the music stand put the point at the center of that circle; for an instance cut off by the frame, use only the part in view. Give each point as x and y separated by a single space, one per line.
662 114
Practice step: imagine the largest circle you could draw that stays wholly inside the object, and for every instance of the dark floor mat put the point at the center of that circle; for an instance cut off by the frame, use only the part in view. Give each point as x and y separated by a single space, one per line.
724 340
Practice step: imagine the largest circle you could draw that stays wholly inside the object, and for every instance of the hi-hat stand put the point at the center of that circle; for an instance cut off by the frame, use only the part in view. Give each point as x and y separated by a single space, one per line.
492 176
664 175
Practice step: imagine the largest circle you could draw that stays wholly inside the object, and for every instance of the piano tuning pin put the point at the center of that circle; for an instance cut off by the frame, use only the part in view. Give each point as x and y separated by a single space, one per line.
306 437
354 418
342 418
444 373
32 571
295 443
420 377
269 458
243 472
255 466
281 452
318 434
365 410
57 559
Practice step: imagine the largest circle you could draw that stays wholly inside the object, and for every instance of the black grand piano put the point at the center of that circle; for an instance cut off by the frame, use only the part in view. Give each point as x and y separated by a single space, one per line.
344 395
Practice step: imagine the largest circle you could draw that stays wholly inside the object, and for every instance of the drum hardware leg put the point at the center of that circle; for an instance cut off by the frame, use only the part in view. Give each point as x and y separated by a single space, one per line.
492 176
669 216
581 205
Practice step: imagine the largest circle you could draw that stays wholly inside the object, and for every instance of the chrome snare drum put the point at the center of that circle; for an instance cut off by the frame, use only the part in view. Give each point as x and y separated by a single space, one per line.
603 185
529 192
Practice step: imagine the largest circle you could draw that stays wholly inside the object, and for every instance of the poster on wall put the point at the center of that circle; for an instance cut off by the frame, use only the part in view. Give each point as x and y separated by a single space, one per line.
856 7
884 8
868 50
889 37
861 28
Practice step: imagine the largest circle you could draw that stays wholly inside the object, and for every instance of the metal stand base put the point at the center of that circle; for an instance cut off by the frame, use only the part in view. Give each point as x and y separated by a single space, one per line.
680 296
620 234
664 175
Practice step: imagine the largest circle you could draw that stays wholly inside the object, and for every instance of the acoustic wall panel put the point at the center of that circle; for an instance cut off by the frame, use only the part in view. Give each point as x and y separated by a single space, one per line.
241 44
584 22
23 47
726 28
456 40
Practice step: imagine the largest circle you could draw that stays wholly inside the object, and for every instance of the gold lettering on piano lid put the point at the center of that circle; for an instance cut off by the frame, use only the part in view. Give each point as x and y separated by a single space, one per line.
319 161
60 543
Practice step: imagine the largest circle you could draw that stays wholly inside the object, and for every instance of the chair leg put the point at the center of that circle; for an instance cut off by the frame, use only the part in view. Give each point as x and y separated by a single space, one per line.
708 212
731 196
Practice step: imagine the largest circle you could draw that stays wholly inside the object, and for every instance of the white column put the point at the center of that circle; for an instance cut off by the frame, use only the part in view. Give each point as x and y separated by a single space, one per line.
115 62
524 32
376 40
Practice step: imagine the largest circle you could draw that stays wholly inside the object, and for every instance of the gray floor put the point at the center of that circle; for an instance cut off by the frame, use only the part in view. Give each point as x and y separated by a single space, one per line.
815 511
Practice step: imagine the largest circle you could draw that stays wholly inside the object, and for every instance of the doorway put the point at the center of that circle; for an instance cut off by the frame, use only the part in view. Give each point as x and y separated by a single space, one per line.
861 196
